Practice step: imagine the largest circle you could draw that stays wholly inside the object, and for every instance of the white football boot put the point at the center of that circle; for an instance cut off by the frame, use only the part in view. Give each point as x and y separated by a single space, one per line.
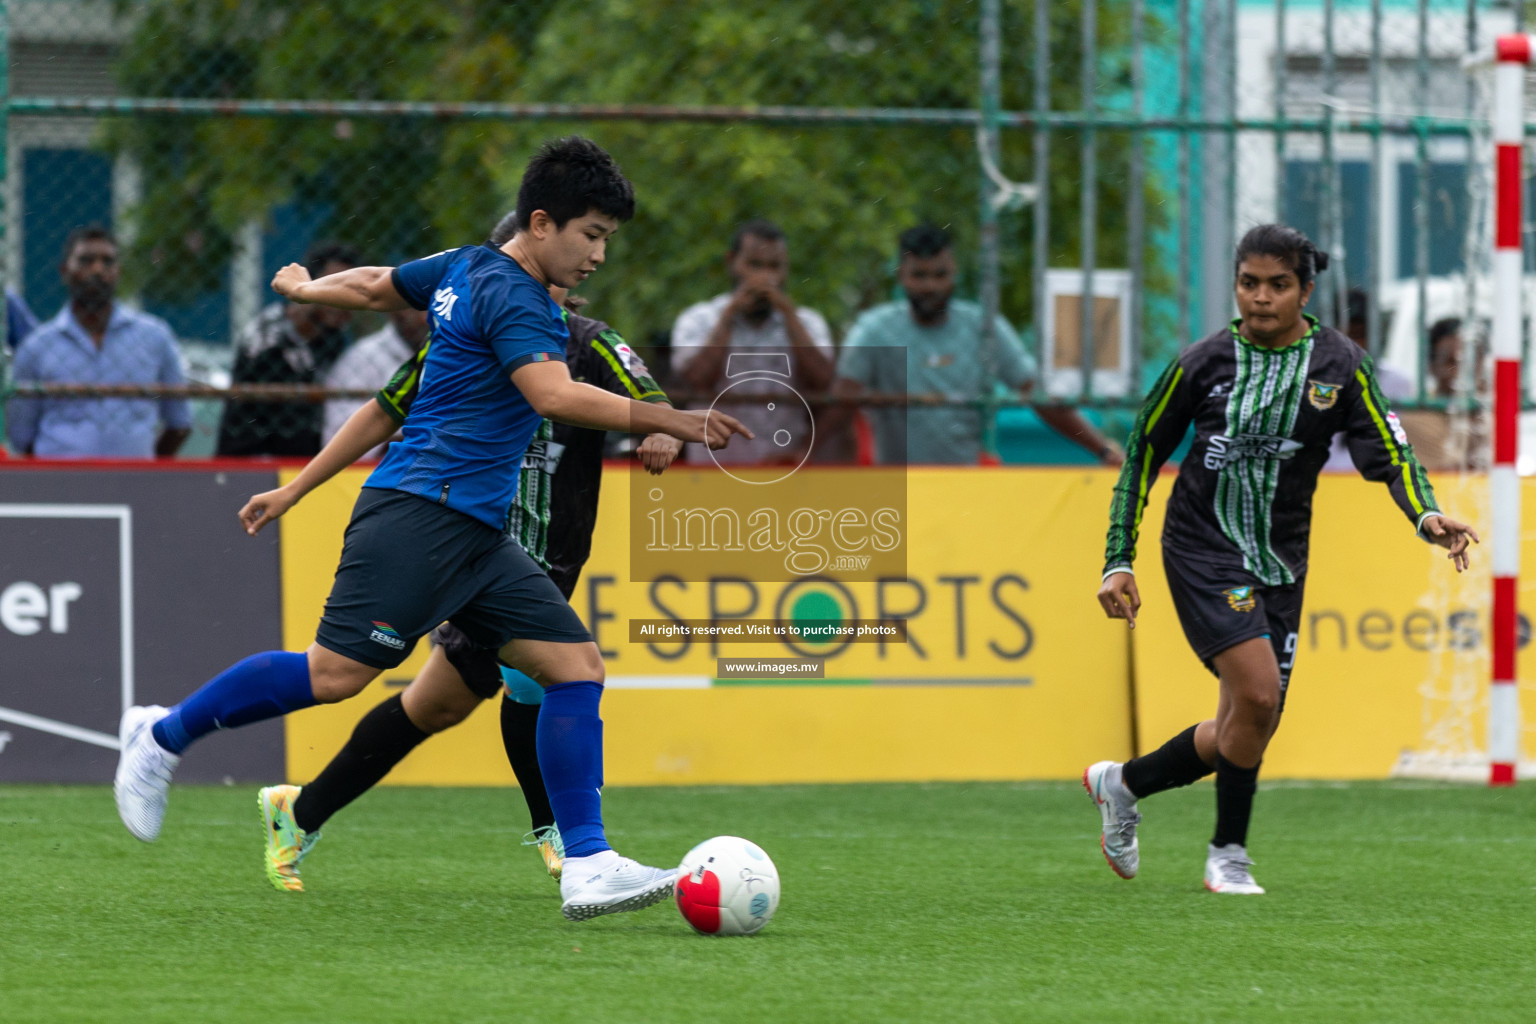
606 883
143 773
1117 806
1226 871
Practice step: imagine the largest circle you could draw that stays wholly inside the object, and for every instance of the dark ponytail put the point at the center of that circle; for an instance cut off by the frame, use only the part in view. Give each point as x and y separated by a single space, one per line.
1286 244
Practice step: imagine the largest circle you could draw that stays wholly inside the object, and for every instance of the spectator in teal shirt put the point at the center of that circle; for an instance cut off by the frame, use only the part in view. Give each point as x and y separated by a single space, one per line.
942 337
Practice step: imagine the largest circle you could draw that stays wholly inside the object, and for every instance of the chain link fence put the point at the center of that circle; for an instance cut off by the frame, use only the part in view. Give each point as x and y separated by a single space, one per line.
1109 149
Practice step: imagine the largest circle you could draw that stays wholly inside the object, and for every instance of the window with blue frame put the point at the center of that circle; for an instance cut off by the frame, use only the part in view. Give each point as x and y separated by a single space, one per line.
1448 209
1304 196
65 188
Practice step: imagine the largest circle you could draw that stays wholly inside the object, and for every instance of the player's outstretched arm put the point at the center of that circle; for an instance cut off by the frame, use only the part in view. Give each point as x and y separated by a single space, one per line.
549 389
364 431
1451 535
358 288
1119 597
1070 424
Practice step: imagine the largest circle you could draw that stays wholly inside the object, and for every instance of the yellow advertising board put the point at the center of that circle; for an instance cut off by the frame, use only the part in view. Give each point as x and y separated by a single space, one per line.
1010 671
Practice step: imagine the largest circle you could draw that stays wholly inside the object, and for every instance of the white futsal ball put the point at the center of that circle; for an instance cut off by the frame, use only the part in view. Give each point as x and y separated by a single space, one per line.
727 886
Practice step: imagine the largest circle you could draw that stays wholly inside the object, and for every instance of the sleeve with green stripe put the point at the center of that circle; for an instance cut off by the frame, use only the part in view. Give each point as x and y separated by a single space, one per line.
1160 427
1380 447
623 371
395 398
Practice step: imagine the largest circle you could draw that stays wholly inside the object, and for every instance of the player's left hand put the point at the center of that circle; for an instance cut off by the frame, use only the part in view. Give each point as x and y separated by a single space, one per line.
265 508
1454 536
287 281
1112 455
658 451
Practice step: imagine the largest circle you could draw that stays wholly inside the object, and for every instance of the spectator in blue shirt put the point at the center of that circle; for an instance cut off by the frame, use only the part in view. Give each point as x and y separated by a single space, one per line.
19 321
97 340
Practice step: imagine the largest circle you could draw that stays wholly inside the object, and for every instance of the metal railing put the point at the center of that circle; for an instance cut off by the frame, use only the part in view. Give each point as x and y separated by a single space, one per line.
1139 137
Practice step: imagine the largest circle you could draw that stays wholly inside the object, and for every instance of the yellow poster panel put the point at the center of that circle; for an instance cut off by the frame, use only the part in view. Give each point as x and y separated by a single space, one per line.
1387 623
1009 670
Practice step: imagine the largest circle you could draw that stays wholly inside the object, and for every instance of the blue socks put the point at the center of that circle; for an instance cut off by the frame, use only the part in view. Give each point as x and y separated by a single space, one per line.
260 687
570 743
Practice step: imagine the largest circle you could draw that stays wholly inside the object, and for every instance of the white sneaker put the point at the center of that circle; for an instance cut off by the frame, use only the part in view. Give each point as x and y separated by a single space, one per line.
143 773
1117 806
1226 871
618 884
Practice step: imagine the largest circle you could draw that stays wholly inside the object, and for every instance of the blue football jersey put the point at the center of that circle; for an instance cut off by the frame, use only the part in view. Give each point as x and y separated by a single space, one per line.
462 444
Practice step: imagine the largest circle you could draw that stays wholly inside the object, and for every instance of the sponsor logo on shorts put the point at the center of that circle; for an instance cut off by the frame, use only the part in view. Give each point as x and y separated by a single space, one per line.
1241 599
384 633
1322 396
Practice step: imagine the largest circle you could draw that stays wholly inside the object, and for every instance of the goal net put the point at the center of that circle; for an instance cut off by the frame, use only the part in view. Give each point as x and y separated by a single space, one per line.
1455 691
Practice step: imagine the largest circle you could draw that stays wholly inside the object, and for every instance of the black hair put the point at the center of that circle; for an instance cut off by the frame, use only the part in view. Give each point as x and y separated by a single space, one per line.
1442 329
321 253
94 232
923 241
505 228
1359 303
1286 244
767 230
569 176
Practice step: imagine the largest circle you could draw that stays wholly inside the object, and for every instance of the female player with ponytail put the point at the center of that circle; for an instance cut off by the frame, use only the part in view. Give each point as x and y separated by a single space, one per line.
1265 394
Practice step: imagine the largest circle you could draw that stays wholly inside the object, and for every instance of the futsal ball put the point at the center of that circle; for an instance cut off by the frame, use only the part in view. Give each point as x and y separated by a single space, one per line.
727 886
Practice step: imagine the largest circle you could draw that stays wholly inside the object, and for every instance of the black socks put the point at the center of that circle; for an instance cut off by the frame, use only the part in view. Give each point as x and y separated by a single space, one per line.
380 741
1234 802
519 731
1174 764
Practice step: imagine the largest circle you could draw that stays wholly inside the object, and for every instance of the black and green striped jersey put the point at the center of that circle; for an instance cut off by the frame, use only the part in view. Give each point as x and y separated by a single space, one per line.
554 510
1263 419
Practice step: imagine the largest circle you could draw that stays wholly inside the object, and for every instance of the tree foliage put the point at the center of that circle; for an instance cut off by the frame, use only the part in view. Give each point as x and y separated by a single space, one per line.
406 187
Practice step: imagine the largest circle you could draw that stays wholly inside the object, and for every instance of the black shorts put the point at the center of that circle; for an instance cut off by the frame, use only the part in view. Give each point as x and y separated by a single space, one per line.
408 564
1221 607
479 666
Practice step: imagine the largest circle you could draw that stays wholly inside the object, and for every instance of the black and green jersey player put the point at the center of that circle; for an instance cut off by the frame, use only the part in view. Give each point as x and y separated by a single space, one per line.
1265 394
552 516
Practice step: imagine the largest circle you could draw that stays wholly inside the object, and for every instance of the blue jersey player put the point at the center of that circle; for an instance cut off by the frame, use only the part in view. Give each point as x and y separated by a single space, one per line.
426 541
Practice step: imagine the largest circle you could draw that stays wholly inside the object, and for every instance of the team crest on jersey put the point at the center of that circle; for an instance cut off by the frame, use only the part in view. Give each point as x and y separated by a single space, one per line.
1241 599
1322 396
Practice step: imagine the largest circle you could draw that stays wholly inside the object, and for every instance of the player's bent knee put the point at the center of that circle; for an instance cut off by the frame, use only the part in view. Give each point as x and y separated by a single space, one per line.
334 677
1260 704
582 665
436 717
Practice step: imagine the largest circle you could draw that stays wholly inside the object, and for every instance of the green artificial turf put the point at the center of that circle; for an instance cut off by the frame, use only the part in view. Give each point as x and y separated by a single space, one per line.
1387 902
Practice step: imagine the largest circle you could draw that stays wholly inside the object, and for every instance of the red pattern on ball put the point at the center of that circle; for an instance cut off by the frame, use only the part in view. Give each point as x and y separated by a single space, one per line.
700 901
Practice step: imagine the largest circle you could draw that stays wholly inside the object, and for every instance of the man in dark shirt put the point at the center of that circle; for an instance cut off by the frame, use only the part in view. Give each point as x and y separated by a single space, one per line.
287 343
